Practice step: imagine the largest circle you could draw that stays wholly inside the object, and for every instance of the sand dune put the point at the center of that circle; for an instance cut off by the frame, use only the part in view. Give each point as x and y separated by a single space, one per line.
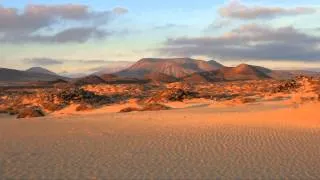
195 142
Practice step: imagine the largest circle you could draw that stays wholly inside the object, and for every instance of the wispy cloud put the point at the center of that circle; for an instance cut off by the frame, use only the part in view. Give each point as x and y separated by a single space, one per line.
237 10
120 10
168 26
218 24
75 35
43 61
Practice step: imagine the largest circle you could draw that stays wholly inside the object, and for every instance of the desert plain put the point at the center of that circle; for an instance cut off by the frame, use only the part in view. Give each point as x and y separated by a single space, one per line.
164 90
175 131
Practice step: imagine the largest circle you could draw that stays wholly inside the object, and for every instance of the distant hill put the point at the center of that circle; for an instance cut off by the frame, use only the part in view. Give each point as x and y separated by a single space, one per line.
245 72
241 72
40 70
107 79
12 75
92 79
175 67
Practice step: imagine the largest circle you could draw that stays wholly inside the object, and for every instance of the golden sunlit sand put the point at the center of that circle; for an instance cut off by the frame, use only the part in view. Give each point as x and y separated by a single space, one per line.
130 90
195 140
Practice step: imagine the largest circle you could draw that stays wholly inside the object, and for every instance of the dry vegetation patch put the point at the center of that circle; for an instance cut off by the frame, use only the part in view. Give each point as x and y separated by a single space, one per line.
30 112
300 90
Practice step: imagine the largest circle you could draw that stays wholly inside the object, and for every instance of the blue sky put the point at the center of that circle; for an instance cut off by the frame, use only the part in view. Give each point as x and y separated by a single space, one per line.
273 33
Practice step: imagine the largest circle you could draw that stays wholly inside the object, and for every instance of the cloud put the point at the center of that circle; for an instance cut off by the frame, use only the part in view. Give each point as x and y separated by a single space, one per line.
92 61
73 35
235 9
168 26
100 62
218 24
27 25
43 61
120 10
250 42
67 11
78 35
36 17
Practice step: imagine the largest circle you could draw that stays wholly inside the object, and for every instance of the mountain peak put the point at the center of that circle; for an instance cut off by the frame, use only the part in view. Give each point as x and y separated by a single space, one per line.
40 70
243 65
215 63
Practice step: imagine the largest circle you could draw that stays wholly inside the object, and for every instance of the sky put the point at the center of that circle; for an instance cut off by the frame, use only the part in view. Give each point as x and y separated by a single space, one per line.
78 36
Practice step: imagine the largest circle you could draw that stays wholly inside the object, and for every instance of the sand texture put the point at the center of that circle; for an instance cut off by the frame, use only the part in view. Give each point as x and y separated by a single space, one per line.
200 142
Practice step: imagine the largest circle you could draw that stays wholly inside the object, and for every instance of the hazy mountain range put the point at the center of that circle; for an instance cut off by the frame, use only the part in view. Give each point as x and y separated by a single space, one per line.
32 74
41 70
157 70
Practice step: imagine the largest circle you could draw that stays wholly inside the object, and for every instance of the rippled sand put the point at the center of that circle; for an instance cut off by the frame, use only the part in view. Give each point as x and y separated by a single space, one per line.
190 143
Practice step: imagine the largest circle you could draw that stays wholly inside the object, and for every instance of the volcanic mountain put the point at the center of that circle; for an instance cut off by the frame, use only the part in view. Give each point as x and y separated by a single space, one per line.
245 72
175 67
92 79
240 72
12 75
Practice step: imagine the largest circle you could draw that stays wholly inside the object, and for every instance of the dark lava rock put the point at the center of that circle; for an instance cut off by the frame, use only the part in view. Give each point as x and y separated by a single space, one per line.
129 109
173 95
178 95
2 111
30 113
296 83
287 86
79 95
75 95
14 110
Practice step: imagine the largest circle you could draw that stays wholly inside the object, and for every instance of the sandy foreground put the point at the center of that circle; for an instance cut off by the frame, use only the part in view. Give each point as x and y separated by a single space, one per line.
193 141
